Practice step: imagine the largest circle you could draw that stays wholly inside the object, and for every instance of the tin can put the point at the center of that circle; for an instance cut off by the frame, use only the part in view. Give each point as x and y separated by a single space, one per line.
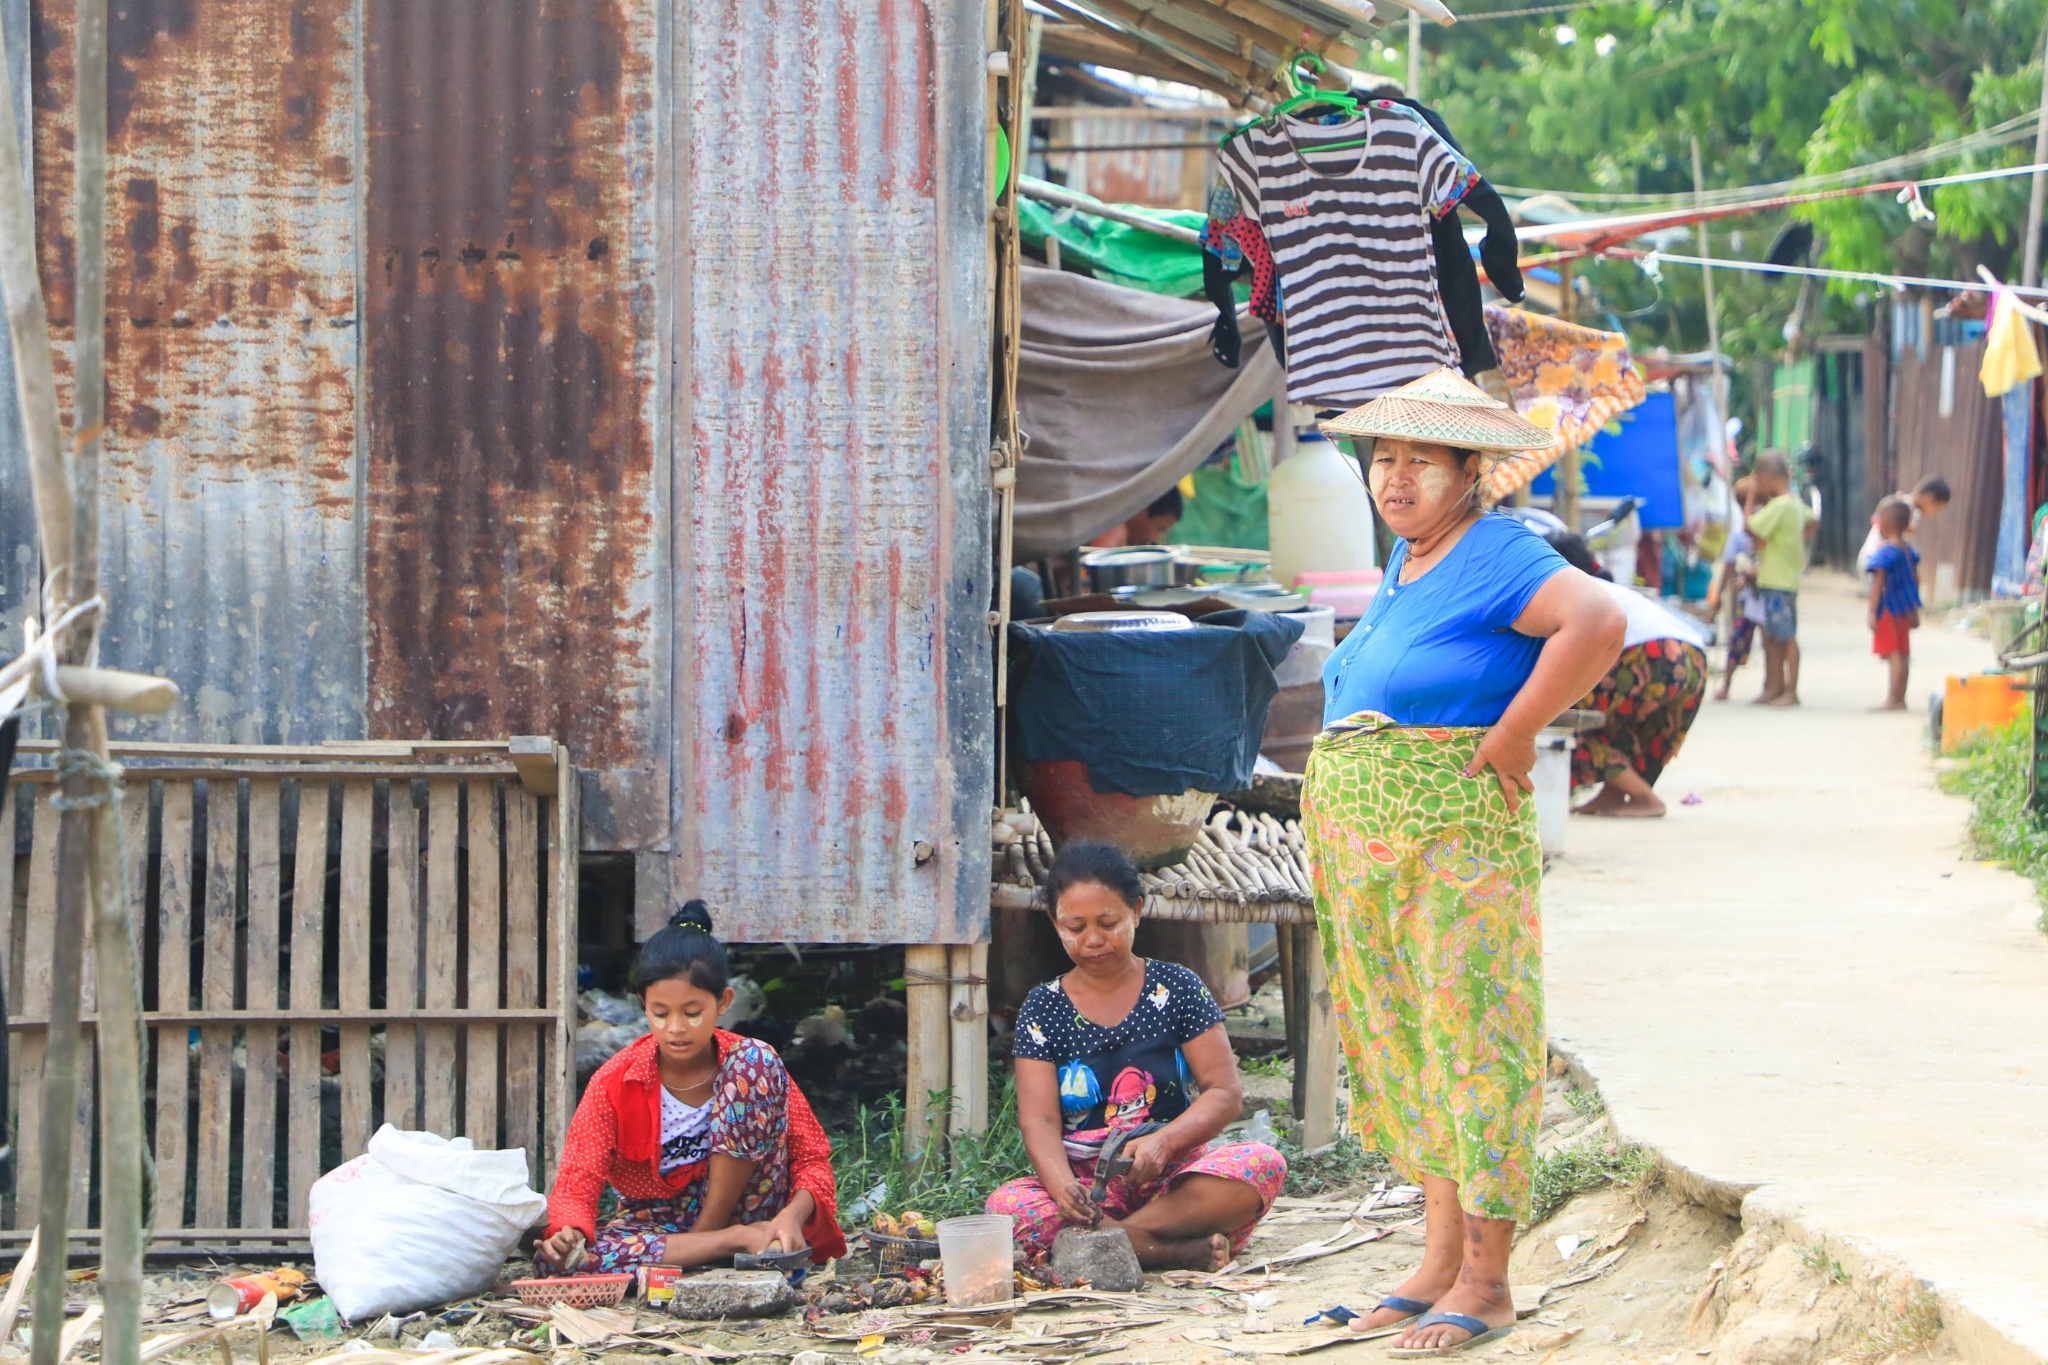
658 1284
232 1298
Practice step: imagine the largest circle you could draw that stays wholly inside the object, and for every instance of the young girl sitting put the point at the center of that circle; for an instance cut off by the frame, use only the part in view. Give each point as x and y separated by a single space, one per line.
710 1145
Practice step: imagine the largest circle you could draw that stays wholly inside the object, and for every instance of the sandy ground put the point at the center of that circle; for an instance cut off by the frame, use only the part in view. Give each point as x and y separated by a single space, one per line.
1803 990
1618 1274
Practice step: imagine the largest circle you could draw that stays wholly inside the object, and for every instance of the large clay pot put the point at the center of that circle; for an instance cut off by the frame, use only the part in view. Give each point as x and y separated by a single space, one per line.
1155 831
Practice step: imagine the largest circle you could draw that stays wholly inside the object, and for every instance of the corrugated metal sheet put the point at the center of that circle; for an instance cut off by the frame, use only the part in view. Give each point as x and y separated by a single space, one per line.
832 470
229 525
1162 177
1962 440
516 573
667 430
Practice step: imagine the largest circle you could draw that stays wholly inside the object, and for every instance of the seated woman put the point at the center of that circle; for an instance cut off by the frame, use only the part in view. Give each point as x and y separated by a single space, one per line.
1649 698
1111 1046
711 1147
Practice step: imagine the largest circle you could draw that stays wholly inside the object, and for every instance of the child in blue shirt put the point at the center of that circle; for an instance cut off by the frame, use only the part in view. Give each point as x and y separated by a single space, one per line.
1894 596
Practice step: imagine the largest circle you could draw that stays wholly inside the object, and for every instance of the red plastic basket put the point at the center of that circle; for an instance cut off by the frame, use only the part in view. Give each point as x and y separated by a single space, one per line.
578 1291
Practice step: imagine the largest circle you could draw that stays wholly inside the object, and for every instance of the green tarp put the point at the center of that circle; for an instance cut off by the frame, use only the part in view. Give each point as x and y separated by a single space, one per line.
1117 252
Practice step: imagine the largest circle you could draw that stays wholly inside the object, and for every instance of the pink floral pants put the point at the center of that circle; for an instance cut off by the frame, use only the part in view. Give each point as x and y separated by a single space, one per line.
1038 1216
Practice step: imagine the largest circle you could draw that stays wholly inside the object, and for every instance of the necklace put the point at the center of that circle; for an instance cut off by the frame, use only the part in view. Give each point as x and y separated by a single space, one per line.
679 1090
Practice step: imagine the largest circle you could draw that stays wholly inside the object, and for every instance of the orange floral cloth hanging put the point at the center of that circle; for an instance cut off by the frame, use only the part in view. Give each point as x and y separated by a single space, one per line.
1572 379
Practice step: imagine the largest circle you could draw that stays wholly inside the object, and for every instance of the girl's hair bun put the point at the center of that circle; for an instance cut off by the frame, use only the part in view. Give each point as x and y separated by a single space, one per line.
695 914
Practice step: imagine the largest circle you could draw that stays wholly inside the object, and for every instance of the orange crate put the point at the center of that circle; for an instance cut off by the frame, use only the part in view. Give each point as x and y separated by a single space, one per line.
1974 703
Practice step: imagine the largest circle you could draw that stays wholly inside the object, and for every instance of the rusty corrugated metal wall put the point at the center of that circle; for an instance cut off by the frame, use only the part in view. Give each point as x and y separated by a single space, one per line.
515 561
611 369
833 671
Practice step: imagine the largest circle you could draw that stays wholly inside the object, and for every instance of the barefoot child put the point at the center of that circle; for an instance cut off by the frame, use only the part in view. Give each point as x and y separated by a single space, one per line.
1894 597
1781 526
1735 586
710 1145
1113 1045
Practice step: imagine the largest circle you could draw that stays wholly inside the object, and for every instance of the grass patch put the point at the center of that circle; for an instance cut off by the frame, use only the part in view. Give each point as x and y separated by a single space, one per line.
1344 1165
1816 1259
1571 1171
932 1184
1911 1323
1586 1103
1272 1064
1993 774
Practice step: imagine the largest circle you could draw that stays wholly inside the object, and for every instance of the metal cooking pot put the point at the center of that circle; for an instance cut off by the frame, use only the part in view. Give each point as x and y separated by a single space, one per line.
1188 570
1129 566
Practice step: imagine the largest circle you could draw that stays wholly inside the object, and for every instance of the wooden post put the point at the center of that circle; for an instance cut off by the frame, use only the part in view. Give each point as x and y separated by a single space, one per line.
968 1007
1315 1068
931 1039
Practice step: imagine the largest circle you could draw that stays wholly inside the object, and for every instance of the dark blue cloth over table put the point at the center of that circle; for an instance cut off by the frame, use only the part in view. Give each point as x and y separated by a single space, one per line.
1152 713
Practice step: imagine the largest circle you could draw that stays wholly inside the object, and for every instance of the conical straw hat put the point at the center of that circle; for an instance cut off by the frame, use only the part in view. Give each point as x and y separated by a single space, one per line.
1445 408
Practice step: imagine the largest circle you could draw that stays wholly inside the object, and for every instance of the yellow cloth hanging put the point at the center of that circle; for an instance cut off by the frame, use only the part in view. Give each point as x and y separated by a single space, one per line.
2010 357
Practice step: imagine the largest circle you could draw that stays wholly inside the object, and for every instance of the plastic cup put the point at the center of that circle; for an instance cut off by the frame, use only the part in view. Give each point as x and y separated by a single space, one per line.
978 1259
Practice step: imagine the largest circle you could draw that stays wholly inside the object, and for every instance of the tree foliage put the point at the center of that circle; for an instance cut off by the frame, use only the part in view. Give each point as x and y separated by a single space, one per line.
1605 99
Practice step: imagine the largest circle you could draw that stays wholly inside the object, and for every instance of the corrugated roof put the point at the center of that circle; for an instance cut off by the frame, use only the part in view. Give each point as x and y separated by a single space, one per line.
1233 47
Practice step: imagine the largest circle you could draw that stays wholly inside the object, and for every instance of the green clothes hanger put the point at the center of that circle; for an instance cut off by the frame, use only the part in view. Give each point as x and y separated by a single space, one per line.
1307 94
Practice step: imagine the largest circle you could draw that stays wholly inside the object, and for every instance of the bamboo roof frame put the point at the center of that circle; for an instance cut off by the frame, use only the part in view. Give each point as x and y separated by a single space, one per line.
1234 48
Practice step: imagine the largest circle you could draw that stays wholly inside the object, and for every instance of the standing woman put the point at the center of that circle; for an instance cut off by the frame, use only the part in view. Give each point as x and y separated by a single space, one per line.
710 1145
1423 838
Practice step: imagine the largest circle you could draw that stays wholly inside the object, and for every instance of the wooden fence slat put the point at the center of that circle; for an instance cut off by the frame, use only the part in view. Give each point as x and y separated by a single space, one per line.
309 913
486 935
10 955
11 927
358 811
137 861
565 823
259 1083
402 958
83 1125
444 801
41 911
217 992
522 971
173 991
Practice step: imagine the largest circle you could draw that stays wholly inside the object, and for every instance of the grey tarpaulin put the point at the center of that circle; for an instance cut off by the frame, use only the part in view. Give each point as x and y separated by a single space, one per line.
1119 397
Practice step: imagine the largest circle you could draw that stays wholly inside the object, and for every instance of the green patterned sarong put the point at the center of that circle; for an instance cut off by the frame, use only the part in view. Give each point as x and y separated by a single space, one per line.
1427 898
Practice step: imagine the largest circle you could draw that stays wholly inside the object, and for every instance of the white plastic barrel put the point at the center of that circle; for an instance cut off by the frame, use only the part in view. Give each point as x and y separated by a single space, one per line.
1317 511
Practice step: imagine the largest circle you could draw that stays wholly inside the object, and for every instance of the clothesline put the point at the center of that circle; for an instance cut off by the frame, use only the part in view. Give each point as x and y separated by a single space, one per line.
1655 258
2015 129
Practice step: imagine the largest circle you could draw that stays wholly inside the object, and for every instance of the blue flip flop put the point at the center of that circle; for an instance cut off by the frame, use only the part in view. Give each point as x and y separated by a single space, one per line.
1414 1308
1481 1334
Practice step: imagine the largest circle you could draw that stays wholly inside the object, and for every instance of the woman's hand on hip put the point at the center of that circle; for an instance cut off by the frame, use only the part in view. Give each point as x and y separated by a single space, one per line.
1512 756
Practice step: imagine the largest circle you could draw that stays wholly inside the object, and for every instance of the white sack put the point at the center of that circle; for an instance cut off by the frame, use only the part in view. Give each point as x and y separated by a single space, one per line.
416 1221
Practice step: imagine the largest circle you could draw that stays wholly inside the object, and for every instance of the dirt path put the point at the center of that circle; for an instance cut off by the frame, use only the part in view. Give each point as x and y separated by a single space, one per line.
1804 988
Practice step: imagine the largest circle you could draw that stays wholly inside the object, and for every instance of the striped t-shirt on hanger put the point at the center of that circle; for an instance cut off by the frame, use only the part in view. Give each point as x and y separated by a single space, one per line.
1349 233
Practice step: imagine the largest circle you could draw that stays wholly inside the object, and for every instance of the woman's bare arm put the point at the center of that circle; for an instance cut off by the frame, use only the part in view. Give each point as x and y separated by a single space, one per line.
1582 629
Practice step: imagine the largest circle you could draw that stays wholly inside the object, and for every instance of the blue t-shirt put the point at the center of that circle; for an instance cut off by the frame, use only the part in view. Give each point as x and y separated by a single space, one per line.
1900 565
1443 650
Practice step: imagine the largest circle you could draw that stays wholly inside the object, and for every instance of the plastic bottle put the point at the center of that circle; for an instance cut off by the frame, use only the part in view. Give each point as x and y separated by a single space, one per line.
1318 512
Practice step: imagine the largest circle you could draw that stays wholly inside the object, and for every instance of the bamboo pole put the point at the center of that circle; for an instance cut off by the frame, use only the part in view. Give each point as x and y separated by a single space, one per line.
90 878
